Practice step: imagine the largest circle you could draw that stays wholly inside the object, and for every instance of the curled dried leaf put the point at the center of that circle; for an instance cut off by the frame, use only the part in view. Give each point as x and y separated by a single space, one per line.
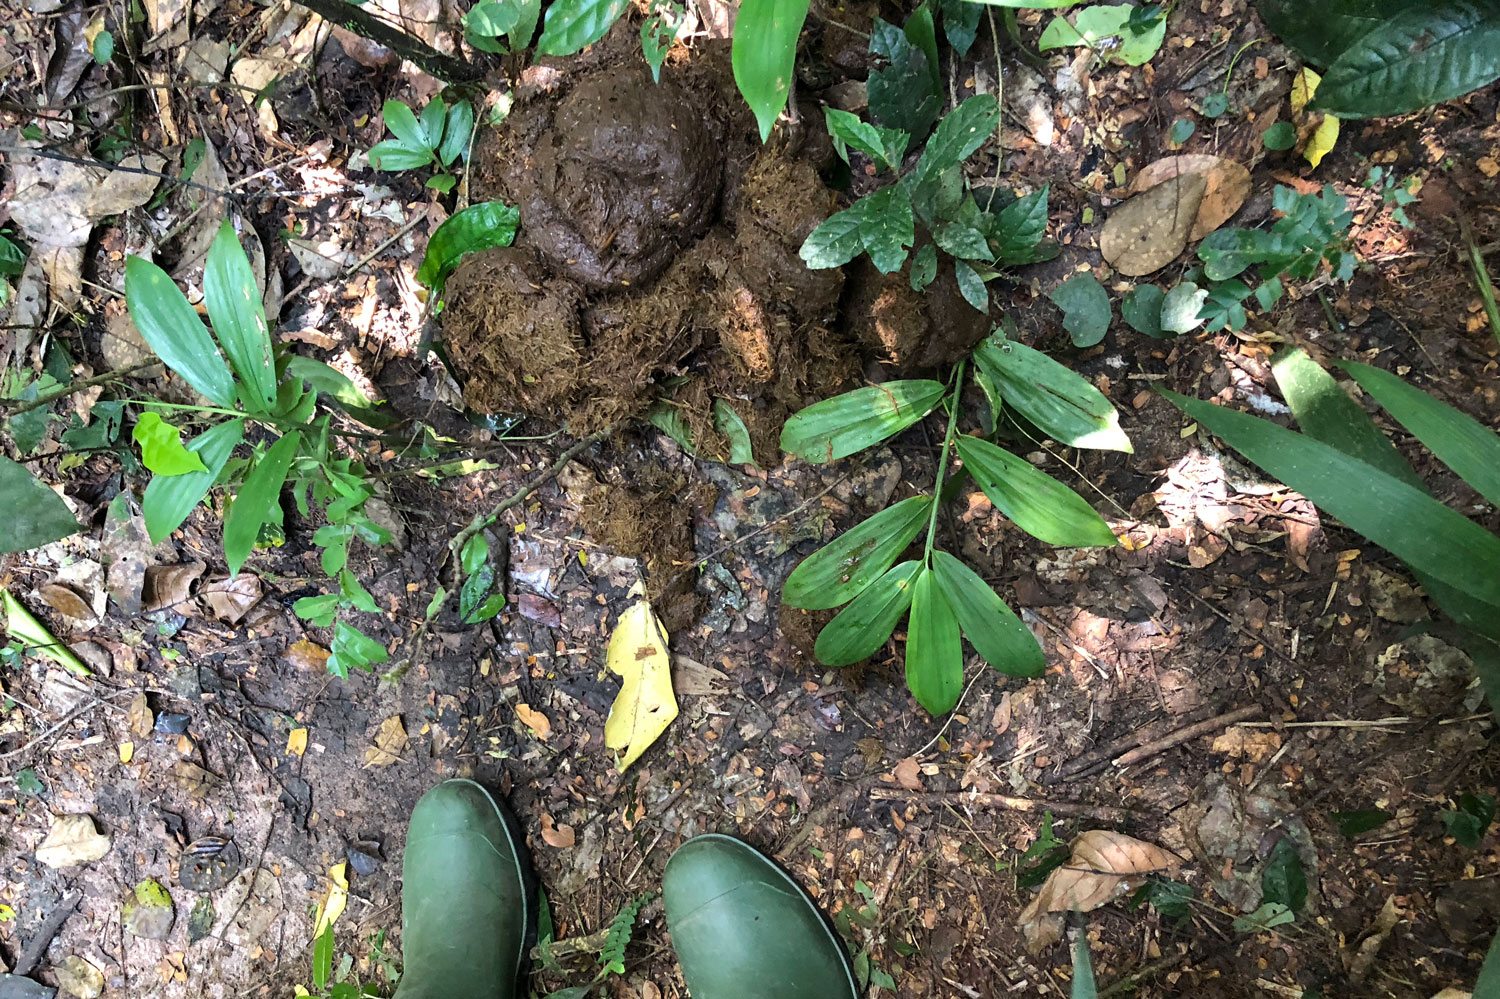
1103 865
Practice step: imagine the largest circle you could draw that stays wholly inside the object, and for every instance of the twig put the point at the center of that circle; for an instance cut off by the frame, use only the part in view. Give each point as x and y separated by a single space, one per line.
1104 813
78 712
31 954
69 389
1359 722
1182 735
1130 981
1097 759
366 25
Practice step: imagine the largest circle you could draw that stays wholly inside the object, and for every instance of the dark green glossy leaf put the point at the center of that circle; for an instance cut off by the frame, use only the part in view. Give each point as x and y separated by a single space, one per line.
1353 824
392 154
169 500
1398 517
962 130
326 380
573 24
1061 402
1283 880
1039 504
456 131
161 447
1488 984
989 625
1085 306
762 53
404 125
848 423
12 257
1420 56
1320 31
478 227
880 224
1141 309
1467 824
960 23
1464 444
934 650
1019 229
901 88
174 332
840 570
886 146
239 319
859 630
35 515
253 504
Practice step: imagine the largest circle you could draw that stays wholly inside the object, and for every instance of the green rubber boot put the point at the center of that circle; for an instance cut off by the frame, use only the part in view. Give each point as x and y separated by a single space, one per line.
743 929
465 897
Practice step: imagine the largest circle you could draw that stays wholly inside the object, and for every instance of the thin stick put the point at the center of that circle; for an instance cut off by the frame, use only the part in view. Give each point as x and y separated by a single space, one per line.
69 389
1182 735
1104 813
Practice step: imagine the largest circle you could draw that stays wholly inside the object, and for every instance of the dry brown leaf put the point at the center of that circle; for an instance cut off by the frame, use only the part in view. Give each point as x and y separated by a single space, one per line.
534 720
196 781
142 721
1227 185
694 679
908 774
557 836
1102 866
72 840
390 743
1243 742
231 599
307 656
66 602
1148 232
1001 718
169 587
1362 960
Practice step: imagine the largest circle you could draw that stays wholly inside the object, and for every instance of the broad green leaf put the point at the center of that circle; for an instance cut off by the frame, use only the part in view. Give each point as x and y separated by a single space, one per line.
20 625
886 146
37 516
1085 986
460 125
1028 4
921 30
1141 309
960 23
963 241
169 500
1093 25
728 422
353 649
1039 504
239 319
1352 824
971 286
880 224
901 89
990 626
657 34
837 573
259 493
923 267
352 590
1320 31
1180 307
174 332
1400 518
859 630
12 257
161 447
1019 228
961 131
404 125
320 610
478 227
492 19
394 155
762 54
1280 137
1464 444
1085 306
669 420
1061 402
573 24
1283 880
1488 984
848 423
432 120
934 650
326 380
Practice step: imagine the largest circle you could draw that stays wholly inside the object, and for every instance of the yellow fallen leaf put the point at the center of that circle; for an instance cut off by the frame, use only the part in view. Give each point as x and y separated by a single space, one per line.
1304 86
390 743
534 720
127 752
646 703
331 908
296 742
1320 140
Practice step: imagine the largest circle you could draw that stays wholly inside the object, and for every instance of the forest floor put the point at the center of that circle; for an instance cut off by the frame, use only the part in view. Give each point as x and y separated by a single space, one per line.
1230 599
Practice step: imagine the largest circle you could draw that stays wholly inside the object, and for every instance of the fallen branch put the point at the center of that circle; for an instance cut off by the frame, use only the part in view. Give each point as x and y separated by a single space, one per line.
1182 735
1103 813
366 25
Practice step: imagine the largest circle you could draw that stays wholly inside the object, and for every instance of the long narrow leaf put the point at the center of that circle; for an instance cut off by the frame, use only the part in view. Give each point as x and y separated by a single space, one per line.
1324 411
991 627
860 629
173 330
239 319
837 573
253 504
846 424
1462 443
1039 504
934 650
762 53
1059 401
169 499
1407 522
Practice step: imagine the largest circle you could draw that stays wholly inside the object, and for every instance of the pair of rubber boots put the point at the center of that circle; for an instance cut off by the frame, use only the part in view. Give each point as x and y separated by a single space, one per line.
741 927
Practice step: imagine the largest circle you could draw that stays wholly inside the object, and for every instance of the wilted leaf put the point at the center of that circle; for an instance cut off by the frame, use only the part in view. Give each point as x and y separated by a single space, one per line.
142 720
1318 132
908 774
1102 866
231 599
79 978
72 840
554 835
534 720
148 911
1150 230
169 587
307 655
1226 186
390 743
196 781
332 907
66 602
646 704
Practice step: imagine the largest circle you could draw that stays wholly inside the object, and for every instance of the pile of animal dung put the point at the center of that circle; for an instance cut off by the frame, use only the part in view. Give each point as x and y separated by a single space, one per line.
657 257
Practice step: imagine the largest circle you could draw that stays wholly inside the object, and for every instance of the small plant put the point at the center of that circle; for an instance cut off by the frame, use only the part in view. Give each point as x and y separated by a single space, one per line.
946 598
610 947
1468 822
1393 192
440 135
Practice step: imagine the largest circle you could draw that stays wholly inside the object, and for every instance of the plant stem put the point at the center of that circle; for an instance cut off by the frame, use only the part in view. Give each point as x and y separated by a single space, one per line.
937 489
1228 73
72 387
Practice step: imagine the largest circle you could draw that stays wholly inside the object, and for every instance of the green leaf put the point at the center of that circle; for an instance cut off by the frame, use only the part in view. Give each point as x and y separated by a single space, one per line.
962 130
456 132
669 420
1182 130
934 651
36 639
859 630
353 591
880 224
1279 137
1039 504
1170 898
1283 880
1325 412
762 54
1093 26
12 257
886 146
848 423
252 506
923 265
1141 309
728 422
1180 307
478 227
901 90
1352 824
990 626
1028 4
161 447
1464 444
322 960
319 610
960 23
573 24
492 19
169 500
1488 984
353 649
971 286
404 126
174 332
1085 306
104 47
1268 916
1061 402
432 119
657 34
1420 56
395 155
1215 105
239 319
38 516
1320 31
840 570
1468 823
1404 520
1019 229
329 381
